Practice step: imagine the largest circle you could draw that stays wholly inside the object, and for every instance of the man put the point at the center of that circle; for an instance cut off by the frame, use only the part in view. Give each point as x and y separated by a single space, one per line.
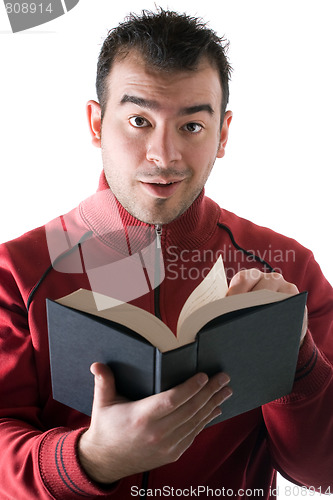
161 122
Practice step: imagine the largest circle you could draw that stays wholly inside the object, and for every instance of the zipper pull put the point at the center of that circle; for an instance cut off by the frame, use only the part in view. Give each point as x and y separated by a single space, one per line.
158 230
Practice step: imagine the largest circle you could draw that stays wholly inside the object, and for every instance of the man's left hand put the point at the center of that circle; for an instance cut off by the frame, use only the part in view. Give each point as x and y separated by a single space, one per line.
250 280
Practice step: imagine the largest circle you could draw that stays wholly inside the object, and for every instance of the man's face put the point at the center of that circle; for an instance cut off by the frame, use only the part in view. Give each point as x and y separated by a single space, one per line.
160 136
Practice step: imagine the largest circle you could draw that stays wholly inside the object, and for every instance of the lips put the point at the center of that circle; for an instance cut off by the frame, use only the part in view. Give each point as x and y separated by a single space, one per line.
161 188
161 180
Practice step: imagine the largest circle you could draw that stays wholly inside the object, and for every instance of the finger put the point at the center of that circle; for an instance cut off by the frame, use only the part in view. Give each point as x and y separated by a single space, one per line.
196 411
202 403
251 280
172 416
275 282
184 437
105 393
193 404
244 281
165 403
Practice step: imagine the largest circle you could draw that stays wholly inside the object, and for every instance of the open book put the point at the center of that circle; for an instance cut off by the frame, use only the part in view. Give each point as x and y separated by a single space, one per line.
254 337
206 302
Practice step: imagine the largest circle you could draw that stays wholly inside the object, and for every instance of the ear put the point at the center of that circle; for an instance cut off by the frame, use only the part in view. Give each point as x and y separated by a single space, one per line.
224 134
94 122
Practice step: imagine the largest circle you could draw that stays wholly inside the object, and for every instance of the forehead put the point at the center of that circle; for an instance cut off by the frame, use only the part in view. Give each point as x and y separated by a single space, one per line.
172 89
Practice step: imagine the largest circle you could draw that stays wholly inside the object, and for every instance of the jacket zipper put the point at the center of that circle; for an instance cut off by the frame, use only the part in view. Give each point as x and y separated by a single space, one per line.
158 231
158 250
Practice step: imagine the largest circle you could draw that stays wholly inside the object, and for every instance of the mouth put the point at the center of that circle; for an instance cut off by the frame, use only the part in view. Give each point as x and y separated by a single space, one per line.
161 188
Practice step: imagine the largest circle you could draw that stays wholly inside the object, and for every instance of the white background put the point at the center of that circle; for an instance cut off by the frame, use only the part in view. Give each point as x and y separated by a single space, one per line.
278 165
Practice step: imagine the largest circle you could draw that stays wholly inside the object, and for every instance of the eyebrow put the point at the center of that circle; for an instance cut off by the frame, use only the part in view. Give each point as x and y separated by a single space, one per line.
153 105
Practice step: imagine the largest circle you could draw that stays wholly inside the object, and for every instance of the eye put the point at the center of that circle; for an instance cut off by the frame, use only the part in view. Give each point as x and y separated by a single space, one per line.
139 122
193 128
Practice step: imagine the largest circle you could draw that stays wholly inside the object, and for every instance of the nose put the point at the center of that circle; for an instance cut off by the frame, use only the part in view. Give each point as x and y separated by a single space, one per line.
163 147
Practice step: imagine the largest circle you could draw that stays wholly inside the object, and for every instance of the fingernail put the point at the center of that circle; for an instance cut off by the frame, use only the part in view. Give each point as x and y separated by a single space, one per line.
223 379
202 379
217 412
227 393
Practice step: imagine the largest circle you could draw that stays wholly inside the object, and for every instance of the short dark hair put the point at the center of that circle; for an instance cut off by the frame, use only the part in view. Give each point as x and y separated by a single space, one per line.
168 41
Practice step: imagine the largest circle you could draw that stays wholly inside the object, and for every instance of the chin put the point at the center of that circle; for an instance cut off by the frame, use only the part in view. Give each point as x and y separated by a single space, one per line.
159 214
154 217
160 219
155 221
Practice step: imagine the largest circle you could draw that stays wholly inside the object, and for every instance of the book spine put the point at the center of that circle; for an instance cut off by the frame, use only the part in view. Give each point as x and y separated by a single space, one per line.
158 371
174 367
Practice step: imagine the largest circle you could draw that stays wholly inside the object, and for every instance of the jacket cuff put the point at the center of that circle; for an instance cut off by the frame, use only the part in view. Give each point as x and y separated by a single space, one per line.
313 370
61 471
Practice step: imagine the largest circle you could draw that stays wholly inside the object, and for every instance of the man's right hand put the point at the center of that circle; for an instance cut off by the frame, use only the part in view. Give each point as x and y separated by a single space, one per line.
129 437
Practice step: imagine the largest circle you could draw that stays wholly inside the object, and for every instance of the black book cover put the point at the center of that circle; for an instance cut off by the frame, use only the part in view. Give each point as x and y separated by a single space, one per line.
257 347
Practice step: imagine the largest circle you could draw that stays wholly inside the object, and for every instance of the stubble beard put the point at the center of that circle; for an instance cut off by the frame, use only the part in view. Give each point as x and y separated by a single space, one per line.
158 213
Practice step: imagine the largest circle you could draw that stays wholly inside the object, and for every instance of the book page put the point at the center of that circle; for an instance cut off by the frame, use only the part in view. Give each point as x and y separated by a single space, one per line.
140 321
200 317
212 288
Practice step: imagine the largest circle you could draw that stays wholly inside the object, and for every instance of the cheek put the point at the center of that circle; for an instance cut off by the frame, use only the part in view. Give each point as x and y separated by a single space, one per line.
120 151
129 147
202 159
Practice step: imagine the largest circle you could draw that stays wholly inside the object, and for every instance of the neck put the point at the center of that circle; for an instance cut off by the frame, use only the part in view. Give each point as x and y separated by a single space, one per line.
105 215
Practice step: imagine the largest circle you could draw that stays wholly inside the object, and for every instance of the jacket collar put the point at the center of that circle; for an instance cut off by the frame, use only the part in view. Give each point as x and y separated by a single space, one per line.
109 220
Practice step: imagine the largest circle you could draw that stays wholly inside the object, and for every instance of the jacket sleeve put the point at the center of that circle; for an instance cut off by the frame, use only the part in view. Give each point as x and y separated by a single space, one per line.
36 460
300 425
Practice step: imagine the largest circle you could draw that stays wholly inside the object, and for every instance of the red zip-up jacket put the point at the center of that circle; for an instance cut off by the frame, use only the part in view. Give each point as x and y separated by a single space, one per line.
238 457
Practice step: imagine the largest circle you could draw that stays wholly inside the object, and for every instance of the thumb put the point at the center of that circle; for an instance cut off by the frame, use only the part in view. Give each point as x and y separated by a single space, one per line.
105 393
